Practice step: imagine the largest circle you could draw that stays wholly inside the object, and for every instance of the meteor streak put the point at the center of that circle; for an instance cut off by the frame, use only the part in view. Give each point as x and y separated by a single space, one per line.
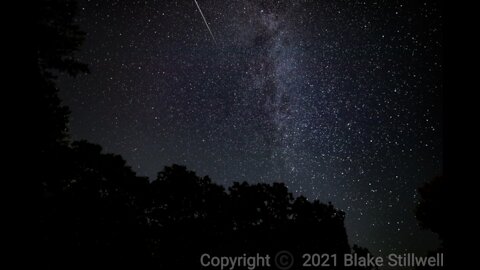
205 20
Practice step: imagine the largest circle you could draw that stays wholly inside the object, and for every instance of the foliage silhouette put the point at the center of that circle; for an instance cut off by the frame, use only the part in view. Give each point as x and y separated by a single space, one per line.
432 213
57 37
104 215
431 210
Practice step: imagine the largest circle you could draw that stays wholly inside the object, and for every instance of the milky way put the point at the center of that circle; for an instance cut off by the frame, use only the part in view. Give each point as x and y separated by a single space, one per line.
341 100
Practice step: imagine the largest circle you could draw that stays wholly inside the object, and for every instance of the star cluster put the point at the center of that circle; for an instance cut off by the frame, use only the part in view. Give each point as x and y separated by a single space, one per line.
341 100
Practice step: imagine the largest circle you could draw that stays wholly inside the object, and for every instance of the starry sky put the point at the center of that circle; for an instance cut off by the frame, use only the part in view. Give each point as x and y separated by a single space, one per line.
340 100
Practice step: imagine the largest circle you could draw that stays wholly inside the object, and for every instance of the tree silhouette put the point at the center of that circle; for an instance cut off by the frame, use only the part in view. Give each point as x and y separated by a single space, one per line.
57 37
432 210
190 215
104 215
93 214
432 214
54 38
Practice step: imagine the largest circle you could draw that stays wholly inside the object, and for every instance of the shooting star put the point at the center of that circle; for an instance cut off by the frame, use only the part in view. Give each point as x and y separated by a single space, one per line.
205 20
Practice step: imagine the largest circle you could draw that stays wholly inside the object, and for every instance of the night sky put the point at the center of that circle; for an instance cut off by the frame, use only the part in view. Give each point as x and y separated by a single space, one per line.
341 100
